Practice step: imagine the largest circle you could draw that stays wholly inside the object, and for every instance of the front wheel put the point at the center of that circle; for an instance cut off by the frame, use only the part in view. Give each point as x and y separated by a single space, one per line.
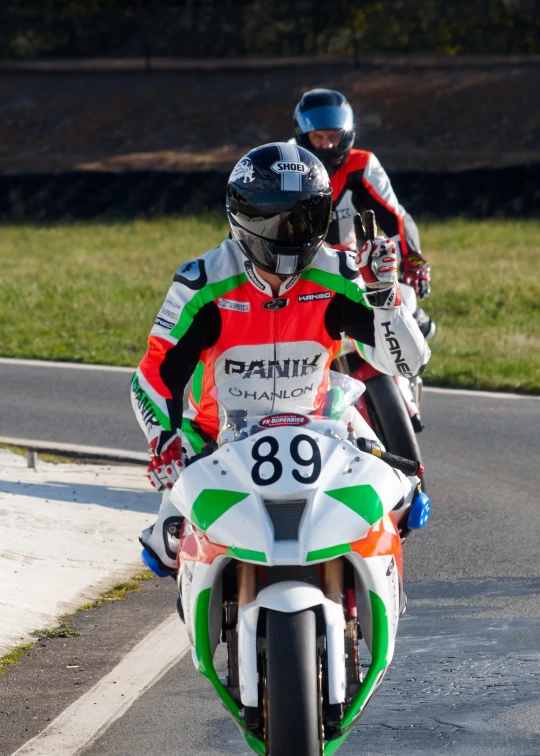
390 419
292 695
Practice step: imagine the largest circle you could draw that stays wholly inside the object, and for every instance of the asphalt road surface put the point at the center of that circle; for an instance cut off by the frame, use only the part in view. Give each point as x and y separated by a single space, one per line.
466 673
70 405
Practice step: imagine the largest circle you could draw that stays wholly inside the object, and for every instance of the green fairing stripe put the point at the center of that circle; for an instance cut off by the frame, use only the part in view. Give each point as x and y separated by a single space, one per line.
246 554
203 649
378 665
211 504
146 405
336 283
361 349
254 743
379 658
196 382
196 441
202 297
364 500
330 553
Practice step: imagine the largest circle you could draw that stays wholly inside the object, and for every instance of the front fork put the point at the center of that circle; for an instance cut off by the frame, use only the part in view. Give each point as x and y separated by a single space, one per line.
332 580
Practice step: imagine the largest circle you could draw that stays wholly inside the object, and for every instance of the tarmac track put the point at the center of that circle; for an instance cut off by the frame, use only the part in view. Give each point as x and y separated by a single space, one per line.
466 674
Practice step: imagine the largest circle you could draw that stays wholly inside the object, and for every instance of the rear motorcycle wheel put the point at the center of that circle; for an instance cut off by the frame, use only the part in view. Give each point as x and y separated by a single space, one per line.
390 419
291 679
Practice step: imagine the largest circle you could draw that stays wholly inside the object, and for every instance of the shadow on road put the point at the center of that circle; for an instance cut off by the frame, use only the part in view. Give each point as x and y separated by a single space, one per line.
113 497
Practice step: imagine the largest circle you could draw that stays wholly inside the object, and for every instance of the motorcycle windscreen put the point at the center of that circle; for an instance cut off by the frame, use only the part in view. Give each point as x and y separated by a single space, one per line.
293 386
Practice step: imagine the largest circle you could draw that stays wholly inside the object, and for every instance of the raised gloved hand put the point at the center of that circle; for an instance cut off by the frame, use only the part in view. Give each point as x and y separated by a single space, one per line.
417 273
167 459
377 261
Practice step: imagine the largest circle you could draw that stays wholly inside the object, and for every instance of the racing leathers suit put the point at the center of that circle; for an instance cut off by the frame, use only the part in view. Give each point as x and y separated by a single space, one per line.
360 184
220 319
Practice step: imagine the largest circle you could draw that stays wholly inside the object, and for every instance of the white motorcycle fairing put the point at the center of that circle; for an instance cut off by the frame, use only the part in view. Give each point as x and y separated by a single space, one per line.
291 497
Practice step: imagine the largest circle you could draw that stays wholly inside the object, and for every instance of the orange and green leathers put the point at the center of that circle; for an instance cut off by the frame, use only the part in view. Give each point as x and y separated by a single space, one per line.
220 319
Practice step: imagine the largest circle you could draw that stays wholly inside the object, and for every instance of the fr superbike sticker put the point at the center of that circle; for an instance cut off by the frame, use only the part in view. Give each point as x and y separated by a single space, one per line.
287 418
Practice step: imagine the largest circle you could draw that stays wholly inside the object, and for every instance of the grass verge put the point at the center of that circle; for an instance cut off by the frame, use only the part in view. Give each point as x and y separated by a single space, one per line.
8 660
64 630
89 292
53 458
120 591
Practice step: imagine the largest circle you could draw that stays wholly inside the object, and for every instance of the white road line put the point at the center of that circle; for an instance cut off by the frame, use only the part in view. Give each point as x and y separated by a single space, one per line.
67 365
471 392
53 447
88 717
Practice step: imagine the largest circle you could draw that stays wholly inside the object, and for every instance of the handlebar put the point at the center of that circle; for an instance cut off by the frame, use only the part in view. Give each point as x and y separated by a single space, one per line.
406 466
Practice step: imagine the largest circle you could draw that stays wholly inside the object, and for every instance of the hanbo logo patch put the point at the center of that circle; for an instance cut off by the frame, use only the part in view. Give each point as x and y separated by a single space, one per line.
314 297
230 304
289 166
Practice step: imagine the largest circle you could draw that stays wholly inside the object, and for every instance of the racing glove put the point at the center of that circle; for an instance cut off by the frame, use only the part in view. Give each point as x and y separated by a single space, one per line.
167 460
377 261
417 273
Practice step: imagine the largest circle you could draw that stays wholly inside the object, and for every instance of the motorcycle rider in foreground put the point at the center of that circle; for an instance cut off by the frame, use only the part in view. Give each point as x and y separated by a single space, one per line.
324 125
271 301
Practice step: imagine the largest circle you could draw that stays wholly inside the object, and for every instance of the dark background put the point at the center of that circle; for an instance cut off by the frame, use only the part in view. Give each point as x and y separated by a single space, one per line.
221 28
140 109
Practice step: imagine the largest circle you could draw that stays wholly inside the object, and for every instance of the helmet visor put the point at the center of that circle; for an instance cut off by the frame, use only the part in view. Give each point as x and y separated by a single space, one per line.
290 218
325 118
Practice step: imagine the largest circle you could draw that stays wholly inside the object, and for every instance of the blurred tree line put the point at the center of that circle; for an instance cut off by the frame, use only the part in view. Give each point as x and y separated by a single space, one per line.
226 28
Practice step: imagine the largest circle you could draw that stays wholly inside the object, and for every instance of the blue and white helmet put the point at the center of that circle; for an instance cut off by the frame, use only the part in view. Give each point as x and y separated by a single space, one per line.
325 110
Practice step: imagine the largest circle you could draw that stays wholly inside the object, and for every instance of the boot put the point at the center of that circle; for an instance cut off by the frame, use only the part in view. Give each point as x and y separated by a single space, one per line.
161 540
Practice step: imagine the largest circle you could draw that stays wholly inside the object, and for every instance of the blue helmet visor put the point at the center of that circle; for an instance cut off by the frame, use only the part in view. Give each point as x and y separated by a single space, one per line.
325 118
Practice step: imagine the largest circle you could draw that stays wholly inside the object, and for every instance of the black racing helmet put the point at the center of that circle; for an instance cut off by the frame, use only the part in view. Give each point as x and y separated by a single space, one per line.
321 110
279 203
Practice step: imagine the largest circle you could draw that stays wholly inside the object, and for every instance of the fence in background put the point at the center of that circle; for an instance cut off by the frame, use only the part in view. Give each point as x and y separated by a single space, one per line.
482 193
228 28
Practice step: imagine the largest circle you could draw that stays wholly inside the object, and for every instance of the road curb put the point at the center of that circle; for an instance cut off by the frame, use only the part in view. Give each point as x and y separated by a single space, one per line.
78 451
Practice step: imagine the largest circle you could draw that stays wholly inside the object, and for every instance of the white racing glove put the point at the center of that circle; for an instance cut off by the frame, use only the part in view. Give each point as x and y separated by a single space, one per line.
377 261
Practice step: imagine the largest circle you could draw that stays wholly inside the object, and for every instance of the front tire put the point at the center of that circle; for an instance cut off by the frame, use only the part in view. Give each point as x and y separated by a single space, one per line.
291 680
390 419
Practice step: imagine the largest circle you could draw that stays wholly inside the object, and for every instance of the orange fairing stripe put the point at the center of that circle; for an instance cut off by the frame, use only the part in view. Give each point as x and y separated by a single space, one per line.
379 541
197 548
152 362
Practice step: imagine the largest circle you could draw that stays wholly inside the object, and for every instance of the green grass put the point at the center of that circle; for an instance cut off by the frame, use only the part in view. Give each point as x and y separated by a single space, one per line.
120 591
8 660
63 630
89 292
486 303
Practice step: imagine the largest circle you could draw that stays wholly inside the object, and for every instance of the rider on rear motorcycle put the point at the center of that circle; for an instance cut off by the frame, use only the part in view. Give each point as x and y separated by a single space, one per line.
324 125
271 301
